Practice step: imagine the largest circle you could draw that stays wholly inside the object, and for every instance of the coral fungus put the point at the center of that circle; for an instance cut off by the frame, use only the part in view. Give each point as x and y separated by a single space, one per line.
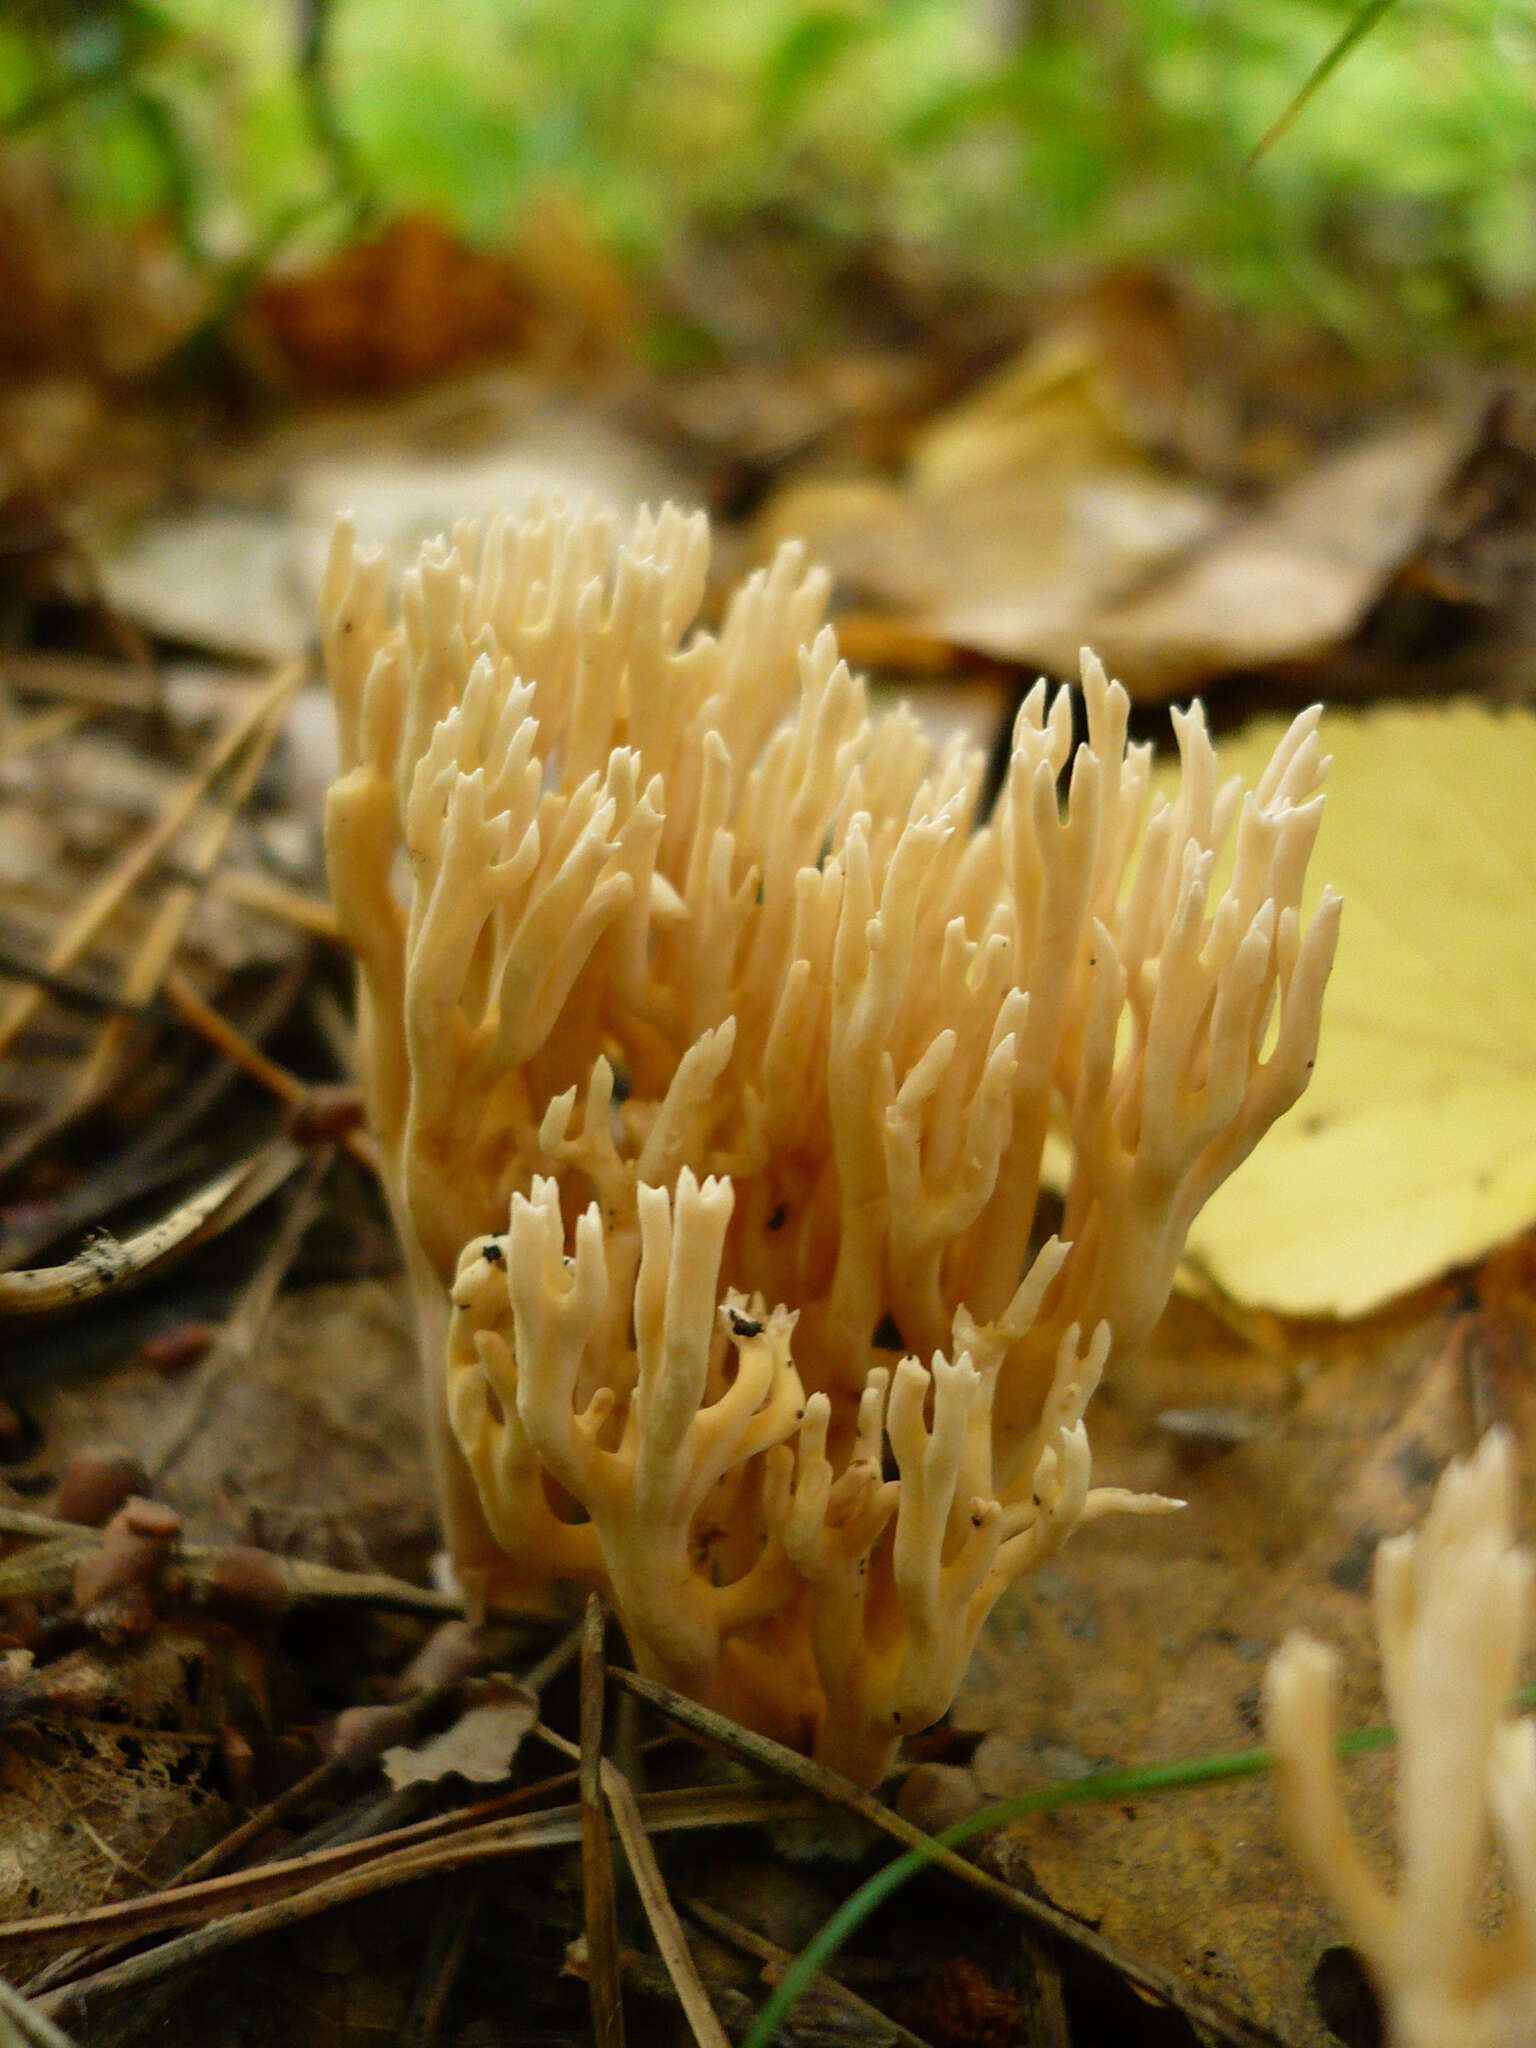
712 1041
1453 1609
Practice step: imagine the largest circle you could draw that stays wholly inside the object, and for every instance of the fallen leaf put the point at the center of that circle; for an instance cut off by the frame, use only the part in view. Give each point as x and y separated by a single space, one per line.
1024 513
402 494
219 577
238 574
1414 1148
1033 517
1295 578
405 305
416 300
309 1444
479 1747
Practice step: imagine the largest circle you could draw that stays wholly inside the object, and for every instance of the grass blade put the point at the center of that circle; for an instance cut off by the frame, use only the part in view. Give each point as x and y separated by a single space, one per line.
1354 32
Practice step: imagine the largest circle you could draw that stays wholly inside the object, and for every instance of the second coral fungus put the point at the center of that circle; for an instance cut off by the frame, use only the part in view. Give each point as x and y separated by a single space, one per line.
712 1050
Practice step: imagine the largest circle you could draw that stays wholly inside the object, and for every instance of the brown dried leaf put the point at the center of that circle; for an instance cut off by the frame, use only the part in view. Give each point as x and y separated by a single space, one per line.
1033 518
1025 513
479 1747
1295 578
237 573
415 301
308 1443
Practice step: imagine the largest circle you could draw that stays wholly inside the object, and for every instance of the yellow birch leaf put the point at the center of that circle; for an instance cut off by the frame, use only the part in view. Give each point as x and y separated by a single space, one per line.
1414 1149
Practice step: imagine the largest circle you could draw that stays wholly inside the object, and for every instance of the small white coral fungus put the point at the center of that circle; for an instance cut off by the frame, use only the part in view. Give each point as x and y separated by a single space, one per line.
1452 1611
721 986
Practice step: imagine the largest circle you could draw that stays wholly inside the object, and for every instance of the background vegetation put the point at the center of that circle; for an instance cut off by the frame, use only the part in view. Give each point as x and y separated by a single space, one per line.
1005 136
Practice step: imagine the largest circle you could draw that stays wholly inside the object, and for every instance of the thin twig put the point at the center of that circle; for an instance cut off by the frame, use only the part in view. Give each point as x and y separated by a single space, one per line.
453 1926
146 1162
83 679
311 915
671 1943
40 728
417 1709
23 2026
603 1990
490 1828
207 833
1040 1993
762 1950
837 1790
336 1770
235 1345
277 1080
200 1571
72 992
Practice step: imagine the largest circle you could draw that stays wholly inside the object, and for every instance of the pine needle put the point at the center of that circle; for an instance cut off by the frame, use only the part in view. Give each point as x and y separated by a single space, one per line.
1101 1786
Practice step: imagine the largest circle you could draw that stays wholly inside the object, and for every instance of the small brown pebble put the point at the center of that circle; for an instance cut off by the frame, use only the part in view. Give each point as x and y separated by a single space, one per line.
151 1518
361 1732
452 1652
174 1351
12 1430
239 1763
934 1796
250 1579
129 1553
95 1485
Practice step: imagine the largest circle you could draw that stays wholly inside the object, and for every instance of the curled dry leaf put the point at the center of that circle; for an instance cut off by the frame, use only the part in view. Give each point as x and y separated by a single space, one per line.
1034 517
479 1747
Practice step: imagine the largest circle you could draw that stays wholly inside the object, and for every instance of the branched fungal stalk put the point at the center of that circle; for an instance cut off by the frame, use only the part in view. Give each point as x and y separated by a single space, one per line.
688 984
1453 1610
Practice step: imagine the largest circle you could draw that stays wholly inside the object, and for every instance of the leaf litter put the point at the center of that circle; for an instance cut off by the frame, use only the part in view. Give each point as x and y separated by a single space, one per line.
1082 490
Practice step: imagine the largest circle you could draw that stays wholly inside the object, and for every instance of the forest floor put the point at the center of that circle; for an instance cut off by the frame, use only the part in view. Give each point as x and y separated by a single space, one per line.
198 1837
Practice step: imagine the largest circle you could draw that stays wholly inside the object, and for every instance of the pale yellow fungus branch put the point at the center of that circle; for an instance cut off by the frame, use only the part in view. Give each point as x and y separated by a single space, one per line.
645 1477
1453 1608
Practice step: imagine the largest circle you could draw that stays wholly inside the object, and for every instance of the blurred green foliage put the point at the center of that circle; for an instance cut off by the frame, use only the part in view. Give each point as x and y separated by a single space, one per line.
1014 136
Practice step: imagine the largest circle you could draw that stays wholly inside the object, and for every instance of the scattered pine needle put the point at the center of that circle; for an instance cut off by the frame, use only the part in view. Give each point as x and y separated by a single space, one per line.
373 1865
207 833
102 901
41 729
1100 1787
836 1790
23 2026
311 915
216 1029
762 1950
596 1856
666 1929
105 1263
